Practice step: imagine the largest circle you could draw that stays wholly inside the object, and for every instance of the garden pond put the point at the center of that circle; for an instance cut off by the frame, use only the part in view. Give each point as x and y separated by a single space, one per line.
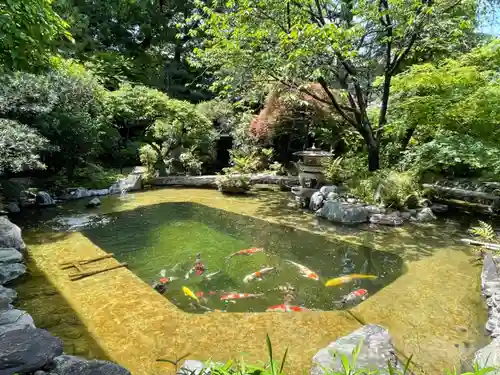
159 237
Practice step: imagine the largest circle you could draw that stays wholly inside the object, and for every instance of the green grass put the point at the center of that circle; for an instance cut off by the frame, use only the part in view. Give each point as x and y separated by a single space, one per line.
273 367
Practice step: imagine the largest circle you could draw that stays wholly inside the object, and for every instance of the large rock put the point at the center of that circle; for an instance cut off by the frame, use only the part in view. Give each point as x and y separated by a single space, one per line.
392 219
316 202
303 192
27 350
7 294
13 208
94 202
10 255
325 190
44 199
489 356
344 213
11 320
376 350
426 215
10 234
191 367
131 183
439 208
11 271
71 365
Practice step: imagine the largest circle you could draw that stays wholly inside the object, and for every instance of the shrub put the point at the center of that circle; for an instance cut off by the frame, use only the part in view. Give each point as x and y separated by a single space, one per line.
232 183
334 170
391 188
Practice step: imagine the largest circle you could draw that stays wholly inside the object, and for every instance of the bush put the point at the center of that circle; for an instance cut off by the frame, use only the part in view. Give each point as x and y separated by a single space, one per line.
390 188
231 183
334 170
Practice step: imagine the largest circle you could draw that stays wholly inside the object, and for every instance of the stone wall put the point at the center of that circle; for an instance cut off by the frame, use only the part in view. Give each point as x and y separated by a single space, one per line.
25 349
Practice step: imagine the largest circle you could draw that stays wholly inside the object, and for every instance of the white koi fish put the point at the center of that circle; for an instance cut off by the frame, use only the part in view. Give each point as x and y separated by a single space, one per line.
210 275
306 272
258 274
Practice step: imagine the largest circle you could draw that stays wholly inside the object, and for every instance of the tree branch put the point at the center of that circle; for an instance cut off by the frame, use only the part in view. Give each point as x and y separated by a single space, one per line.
334 102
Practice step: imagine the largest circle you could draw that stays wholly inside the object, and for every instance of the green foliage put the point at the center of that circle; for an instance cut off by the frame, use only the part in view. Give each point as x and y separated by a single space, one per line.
28 29
64 106
388 187
232 183
20 146
484 230
220 112
257 160
333 170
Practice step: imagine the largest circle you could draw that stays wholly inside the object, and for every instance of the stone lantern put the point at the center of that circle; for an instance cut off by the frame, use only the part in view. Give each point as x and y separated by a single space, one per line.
311 168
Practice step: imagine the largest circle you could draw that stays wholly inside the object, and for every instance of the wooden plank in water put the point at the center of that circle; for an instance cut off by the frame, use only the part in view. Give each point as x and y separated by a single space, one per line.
78 276
66 265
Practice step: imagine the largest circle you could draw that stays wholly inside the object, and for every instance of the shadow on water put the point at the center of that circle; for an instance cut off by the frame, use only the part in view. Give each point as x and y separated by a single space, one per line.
412 241
50 311
168 236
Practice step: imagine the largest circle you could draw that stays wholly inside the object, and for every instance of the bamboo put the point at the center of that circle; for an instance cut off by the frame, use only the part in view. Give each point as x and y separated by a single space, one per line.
66 265
79 276
491 246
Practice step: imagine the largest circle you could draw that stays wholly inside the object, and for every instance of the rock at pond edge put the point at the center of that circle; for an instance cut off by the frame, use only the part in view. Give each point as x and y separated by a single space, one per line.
11 271
11 320
27 350
94 202
10 234
344 213
10 255
72 365
489 356
316 201
376 350
7 293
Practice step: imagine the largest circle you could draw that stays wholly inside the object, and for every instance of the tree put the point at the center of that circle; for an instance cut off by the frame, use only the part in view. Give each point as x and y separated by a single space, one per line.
339 44
28 30
20 147
64 106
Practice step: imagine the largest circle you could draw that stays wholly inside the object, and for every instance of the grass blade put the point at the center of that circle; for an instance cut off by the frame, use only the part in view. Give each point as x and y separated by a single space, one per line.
270 351
283 361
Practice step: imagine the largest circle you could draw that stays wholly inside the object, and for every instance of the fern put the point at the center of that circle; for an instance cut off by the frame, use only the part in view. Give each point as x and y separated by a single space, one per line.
484 230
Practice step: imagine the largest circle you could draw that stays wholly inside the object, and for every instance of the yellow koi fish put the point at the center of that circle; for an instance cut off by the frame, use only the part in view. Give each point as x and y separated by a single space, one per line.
348 278
189 293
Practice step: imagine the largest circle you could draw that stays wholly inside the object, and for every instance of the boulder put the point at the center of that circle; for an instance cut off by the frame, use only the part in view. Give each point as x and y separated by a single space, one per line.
332 196
11 320
411 201
439 208
191 367
27 350
71 365
43 199
13 208
325 190
387 219
94 202
489 273
489 356
316 201
11 271
7 294
302 192
10 234
10 255
131 183
425 215
344 213
376 350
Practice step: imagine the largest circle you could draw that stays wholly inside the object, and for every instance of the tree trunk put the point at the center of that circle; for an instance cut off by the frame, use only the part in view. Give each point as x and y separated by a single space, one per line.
373 158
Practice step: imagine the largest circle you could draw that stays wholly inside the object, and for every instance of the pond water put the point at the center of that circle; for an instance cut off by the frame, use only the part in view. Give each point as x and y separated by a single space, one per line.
162 241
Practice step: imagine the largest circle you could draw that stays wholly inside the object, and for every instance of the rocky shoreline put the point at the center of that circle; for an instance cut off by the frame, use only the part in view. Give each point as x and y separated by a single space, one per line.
25 349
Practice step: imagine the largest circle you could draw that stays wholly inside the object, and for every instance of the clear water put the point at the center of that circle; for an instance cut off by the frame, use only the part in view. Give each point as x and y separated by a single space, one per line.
168 236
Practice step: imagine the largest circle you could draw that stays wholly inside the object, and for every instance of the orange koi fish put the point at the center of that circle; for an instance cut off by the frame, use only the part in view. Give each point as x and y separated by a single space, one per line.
348 278
258 274
231 296
250 251
286 308
304 271
166 280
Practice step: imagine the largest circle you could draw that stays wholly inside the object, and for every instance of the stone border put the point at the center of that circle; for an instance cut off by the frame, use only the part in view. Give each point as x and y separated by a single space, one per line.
208 181
23 347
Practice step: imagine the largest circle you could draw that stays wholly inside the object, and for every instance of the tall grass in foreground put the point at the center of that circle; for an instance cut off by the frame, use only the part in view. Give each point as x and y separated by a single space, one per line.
273 367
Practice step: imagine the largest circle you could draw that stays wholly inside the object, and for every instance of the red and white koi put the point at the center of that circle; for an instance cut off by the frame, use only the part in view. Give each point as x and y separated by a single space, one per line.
258 275
357 295
304 271
286 308
233 296
250 251
166 280
203 294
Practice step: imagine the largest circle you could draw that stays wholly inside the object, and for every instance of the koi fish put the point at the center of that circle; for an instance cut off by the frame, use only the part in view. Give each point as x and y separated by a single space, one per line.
286 308
232 296
203 294
188 273
258 274
359 294
250 251
188 293
306 272
210 275
348 278
163 273
166 280
208 309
